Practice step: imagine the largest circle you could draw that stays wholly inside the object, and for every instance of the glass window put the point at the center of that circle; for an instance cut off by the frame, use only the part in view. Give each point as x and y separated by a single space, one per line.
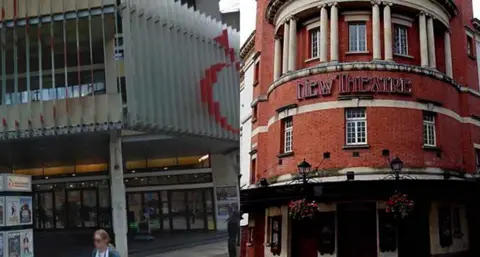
135 210
44 210
74 209
314 43
196 209
60 207
356 126
357 34
89 208
178 211
154 213
469 45
104 218
288 135
401 40
165 210
210 209
429 137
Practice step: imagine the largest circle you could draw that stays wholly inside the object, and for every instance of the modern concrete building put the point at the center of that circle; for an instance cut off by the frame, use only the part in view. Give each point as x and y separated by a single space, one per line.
358 101
126 114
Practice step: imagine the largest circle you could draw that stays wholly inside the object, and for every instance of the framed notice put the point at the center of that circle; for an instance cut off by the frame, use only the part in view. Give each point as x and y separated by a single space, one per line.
26 243
13 244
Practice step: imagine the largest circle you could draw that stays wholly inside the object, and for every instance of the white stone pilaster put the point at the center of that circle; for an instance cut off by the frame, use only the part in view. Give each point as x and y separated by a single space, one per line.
277 63
323 33
377 52
431 43
387 32
286 45
448 55
117 188
423 39
334 33
292 50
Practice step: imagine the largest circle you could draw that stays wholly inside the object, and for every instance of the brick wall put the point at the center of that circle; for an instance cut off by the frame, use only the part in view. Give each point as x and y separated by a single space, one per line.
398 129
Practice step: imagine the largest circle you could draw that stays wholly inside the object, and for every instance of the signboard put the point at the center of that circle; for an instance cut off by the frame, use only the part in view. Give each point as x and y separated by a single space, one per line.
346 84
18 183
18 210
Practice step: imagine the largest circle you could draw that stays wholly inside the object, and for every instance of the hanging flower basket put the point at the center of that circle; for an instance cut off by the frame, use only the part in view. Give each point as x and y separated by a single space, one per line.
302 209
399 205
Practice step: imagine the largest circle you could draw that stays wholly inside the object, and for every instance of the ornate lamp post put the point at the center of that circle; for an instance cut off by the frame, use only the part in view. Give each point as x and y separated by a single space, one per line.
303 169
397 165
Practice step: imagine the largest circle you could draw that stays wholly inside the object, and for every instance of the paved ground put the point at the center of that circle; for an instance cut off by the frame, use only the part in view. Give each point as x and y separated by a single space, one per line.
55 244
218 249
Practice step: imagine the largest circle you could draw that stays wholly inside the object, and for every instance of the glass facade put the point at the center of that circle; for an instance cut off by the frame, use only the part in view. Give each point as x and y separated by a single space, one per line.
72 205
171 210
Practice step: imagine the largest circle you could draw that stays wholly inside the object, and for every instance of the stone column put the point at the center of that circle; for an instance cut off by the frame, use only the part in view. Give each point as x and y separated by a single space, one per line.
387 32
377 51
423 39
292 50
431 43
334 33
448 55
117 188
323 33
286 45
277 63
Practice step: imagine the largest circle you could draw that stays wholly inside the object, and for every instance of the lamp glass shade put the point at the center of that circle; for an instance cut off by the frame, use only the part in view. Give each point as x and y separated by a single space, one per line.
396 164
304 167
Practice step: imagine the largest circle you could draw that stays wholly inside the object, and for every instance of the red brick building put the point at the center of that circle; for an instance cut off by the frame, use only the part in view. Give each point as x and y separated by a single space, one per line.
348 86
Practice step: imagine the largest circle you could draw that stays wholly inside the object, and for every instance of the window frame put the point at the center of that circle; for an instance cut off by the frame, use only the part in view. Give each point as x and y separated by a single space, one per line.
355 121
431 123
399 27
311 32
357 24
287 129
470 45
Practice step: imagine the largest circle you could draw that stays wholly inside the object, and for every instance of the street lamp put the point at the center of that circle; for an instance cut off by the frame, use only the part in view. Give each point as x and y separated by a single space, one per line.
304 169
397 165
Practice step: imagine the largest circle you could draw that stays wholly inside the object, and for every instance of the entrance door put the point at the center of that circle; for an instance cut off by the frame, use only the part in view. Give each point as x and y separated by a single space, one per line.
413 233
89 208
44 215
357 230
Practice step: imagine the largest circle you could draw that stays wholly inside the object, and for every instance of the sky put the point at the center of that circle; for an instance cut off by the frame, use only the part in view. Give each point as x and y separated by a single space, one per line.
248 9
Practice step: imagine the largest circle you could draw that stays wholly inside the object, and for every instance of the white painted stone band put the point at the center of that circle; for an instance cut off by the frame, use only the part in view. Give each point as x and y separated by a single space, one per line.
367 103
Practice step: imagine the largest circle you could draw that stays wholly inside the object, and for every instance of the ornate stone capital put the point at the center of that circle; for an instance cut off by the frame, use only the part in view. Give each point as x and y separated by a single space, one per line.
320 6
386 3
277 37
334 4
375 2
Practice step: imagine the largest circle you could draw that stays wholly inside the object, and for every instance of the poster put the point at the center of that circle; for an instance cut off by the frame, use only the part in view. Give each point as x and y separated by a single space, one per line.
25 210
26 239
13 244
2 244
12 211
2 211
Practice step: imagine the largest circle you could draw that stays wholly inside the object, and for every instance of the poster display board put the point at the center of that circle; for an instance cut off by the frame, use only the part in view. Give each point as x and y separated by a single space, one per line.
18 210
16 216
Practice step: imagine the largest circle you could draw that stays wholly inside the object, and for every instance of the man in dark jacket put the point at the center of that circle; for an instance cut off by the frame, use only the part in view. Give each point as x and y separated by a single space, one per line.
233 227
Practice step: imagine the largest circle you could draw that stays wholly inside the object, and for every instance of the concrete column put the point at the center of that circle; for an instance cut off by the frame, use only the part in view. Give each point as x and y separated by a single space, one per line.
286 45
448 55
423 39
277 64
377 51
431 43
323 33
334 33
292 50
117 188
387 32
